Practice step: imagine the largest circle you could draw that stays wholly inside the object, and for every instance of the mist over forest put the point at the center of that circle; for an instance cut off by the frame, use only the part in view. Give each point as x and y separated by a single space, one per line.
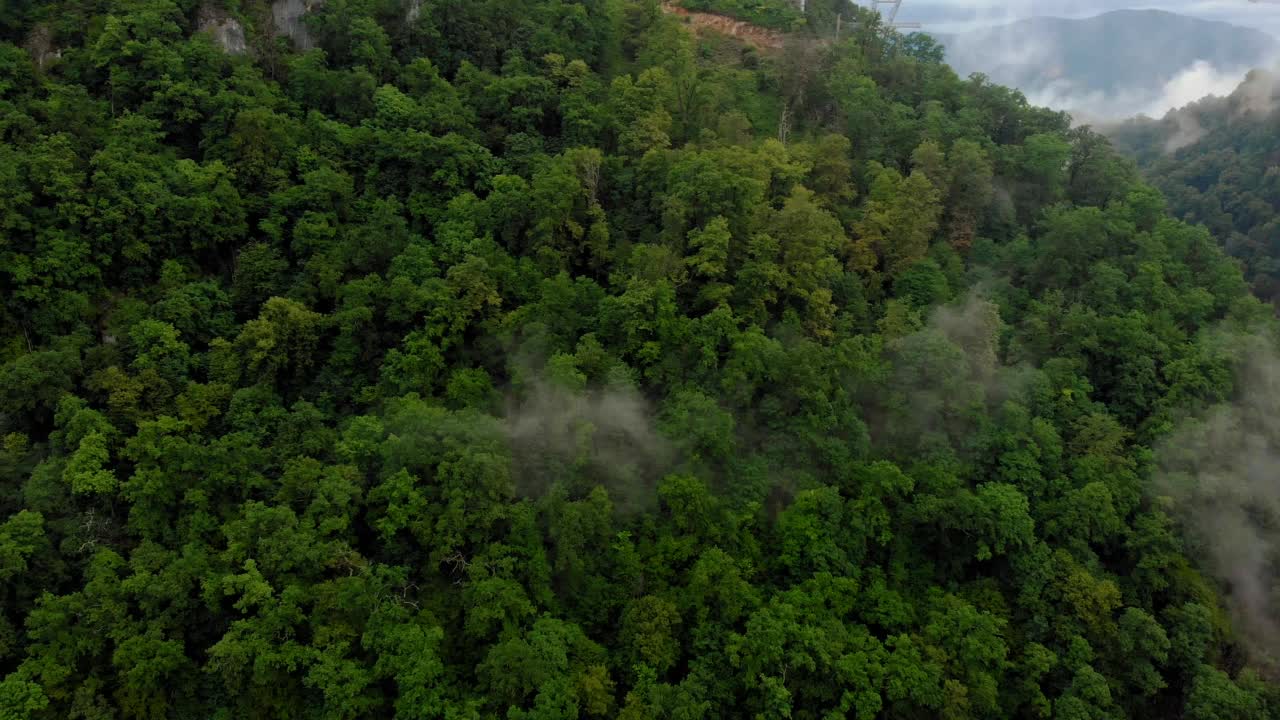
1116 65
472 359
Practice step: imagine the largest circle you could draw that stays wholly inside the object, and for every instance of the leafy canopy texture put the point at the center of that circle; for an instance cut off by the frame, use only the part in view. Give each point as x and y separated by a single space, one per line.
479 359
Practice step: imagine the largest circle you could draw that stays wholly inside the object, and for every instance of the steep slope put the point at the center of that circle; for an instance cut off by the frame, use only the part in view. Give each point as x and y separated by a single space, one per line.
778 15
754 35
553 360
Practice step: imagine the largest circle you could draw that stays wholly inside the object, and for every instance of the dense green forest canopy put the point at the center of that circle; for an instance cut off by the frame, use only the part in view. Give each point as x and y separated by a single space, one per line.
482 359
1218 162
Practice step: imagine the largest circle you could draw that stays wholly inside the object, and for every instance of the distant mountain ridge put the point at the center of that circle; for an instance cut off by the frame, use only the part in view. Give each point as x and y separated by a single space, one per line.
1125 56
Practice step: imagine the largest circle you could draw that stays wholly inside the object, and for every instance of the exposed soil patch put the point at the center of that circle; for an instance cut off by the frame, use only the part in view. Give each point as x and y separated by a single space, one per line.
761 38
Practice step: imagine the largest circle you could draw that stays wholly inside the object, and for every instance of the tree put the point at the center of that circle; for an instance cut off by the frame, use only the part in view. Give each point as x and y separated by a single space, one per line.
551 670
286 335
971 191
1213 695
568 359
710 246
898 222
649 626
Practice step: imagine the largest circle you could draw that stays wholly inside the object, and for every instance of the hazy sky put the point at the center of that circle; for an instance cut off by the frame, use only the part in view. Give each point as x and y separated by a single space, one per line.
957 15
1189 84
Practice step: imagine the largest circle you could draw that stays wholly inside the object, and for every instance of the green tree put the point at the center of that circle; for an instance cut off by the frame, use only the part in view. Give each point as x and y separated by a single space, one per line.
898 222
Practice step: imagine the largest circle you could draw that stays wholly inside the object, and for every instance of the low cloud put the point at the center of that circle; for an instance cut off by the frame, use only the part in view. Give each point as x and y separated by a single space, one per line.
588 436
1194 82
1220 472
1188 131
946 376
1258 94
1064 65
1255 98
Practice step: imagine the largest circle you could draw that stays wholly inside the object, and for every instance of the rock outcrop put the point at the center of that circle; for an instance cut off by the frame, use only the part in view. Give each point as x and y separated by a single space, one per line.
288 17
226 30
40 46
412 11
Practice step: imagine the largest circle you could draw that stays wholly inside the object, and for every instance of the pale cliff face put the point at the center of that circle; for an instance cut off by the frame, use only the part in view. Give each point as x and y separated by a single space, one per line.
288 14
226 31
288 17
40 46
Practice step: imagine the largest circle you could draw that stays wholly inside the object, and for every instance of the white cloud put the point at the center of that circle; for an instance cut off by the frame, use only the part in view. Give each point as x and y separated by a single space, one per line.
1193 83
1005 56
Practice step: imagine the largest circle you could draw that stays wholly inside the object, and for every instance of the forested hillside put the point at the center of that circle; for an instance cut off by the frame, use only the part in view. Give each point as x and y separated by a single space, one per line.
490 359
1218 162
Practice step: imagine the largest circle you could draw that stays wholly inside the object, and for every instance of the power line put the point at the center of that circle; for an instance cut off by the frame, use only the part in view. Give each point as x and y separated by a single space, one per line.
891 17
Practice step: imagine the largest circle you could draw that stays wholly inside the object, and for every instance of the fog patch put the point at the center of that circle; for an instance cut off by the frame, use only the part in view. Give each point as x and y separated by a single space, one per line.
1198 80
587 436
1258 94
946 377
1254 100
1188 131
974 325
1220 472
1134 72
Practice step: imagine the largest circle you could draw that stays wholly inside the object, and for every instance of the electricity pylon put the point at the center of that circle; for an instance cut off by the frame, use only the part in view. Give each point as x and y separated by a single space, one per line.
890 18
